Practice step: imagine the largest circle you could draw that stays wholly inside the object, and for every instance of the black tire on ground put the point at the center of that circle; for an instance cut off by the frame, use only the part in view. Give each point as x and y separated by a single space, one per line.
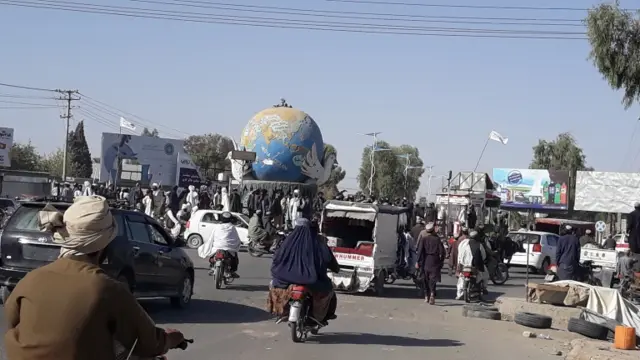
482 314
532 320
294 332
217 276
545 265
5 291
477 307
194 241
588 329
185 291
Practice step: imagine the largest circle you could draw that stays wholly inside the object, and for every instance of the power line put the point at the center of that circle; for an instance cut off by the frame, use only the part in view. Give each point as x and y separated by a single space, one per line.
25 97
460 6
28 107
365 15
22 103
306 25
27 87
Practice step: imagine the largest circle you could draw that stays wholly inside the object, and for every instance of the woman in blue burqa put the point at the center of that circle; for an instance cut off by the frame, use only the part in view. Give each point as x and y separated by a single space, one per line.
304 259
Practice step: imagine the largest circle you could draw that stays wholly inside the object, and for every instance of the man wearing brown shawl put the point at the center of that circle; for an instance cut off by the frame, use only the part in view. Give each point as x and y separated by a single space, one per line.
453 257
431 256
70 309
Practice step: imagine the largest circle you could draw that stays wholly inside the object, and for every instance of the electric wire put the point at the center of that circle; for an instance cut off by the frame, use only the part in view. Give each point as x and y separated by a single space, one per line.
289 24
27 87
460 6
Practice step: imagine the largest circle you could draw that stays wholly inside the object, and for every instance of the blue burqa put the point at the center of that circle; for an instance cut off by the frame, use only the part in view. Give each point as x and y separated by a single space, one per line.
302 259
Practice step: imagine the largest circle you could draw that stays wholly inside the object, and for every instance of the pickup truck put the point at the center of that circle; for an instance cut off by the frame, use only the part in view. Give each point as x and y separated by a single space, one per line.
599 257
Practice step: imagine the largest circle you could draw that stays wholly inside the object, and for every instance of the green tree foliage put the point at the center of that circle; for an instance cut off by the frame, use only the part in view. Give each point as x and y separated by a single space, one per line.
150 133
614 35
79 156
209 152
389 171
562 153
52 163
330 188
24 157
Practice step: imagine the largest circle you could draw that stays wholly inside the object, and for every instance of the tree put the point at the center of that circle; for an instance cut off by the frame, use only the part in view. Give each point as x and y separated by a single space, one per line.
24 157
209 152
79 155
389 178
52 163
150 133
330 188
614 35
562 153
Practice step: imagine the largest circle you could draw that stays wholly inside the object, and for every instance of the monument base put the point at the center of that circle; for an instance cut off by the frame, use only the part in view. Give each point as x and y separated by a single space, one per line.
306 190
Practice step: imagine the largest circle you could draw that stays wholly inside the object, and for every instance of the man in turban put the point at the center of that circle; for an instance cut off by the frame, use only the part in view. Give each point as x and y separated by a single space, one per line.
71 309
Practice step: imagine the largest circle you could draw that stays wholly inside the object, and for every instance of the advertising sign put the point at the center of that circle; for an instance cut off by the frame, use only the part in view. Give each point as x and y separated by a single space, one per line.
611 192
187 173
6 143
157 156
532 188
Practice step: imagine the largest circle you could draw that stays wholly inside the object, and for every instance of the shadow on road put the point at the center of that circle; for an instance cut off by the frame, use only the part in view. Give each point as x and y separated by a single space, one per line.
203 311
376 339
250 288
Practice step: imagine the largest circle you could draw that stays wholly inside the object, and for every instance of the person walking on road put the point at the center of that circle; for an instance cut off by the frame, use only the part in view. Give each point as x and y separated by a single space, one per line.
431 256
568 255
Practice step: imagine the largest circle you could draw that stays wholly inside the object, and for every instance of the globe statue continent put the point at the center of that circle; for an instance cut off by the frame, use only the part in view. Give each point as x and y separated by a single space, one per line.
281 137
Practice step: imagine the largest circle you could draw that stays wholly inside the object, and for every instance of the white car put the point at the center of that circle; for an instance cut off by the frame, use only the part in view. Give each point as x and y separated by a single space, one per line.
541 247
200 227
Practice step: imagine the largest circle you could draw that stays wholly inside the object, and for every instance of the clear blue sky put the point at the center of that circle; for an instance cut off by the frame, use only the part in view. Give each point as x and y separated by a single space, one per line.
441 94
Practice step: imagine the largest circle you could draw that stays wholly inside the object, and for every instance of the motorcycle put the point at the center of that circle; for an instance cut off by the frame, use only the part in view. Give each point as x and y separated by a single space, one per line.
498 271
471 286
585 274
221 268
256 249
300 322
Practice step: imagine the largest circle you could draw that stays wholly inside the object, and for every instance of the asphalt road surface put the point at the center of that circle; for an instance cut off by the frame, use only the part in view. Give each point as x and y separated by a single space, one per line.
231 323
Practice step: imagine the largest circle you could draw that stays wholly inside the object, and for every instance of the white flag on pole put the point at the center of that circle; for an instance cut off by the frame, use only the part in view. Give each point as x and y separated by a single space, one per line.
495 136
127 124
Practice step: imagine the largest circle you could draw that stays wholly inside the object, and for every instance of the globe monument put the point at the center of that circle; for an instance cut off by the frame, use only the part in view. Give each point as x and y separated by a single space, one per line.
289 149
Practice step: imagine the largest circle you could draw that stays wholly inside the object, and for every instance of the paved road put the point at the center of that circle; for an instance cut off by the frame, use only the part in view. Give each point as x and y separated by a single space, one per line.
231 323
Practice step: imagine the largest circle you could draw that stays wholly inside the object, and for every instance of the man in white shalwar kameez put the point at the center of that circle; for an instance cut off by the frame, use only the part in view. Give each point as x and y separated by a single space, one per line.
223 237
465 259
294 208
192 198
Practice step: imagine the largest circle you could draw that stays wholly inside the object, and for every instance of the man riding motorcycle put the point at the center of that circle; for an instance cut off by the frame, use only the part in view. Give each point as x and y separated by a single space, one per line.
258 232
71 309
223 237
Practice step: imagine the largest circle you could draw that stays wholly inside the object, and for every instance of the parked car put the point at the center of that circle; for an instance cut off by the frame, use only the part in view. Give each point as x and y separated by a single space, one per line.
200 227
541 247
142 255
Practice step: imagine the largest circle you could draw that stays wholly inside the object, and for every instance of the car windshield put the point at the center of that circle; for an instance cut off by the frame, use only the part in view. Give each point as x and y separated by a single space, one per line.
26 218
6 203
524 238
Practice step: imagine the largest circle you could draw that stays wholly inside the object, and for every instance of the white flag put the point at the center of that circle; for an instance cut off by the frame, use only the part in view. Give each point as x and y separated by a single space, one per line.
127 124
495 136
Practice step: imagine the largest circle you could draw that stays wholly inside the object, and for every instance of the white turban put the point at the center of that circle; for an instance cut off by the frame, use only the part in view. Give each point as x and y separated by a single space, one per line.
88 226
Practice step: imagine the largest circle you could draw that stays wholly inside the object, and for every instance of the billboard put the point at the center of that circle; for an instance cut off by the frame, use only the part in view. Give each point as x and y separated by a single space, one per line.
187 173
6 143
532 188
157 157
607 191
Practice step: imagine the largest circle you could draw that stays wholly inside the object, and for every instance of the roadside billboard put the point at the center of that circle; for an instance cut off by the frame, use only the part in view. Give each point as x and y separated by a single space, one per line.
187 173
6 143
157 157
611 192
534 189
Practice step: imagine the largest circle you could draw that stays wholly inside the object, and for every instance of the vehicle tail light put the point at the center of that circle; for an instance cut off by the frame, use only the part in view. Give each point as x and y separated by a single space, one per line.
537 248
219 255
365 249
297 292
624 246
466 274
188 224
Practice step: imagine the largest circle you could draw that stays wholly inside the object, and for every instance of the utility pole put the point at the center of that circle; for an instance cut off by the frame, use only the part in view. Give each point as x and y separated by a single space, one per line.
68 96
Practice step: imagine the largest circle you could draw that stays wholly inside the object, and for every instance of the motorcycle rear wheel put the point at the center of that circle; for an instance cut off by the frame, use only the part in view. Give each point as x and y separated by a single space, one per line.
504 271
217 276
297 331
251 249
467 292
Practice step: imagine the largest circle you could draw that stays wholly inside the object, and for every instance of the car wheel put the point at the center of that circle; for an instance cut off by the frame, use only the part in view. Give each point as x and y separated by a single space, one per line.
545 265
194 241
5 291
185 292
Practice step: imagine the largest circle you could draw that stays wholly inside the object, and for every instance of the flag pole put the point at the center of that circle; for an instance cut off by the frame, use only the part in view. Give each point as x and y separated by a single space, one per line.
482 153
118 163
